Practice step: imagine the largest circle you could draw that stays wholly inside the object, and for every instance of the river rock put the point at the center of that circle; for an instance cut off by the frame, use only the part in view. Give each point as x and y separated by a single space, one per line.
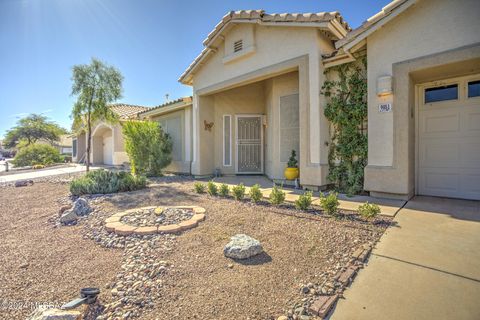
81 207
242 246
68 216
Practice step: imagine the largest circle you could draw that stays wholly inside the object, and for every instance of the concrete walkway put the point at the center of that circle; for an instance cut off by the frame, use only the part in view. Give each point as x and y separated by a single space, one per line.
42 173
387 207
426 267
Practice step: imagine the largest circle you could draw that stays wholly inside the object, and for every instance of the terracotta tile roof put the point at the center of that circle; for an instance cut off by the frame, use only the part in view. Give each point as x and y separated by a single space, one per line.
127 111
372 21
259 16
186 100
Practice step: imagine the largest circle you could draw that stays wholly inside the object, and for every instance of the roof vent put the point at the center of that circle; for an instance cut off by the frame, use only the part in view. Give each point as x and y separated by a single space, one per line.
238 45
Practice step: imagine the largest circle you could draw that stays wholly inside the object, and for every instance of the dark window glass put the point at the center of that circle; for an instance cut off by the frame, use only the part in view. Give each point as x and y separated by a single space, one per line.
443 93
74 148
474 89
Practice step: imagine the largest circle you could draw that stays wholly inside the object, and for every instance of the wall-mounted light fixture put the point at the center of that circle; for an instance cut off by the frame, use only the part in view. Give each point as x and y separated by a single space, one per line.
384 85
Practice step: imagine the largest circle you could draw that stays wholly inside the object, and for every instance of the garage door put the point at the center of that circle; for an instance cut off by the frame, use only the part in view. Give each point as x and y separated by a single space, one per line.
449 138
108 150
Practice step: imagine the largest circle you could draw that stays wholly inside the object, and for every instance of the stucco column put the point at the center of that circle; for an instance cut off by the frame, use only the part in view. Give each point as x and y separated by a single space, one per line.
203 140
314 110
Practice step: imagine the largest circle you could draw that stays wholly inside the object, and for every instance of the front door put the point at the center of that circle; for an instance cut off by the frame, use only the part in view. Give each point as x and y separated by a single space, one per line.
249 144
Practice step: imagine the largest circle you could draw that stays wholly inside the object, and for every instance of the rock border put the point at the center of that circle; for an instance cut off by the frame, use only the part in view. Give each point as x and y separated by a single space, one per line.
114 223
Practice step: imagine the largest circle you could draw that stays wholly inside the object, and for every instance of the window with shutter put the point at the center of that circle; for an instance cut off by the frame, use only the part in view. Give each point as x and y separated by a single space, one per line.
289 126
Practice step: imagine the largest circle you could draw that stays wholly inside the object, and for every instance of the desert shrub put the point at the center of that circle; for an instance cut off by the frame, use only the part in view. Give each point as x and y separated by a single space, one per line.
255 193
199 187
330 203
369 210
238 191
37 154
304 201
148 147
277 196
212 188
104 181
224 191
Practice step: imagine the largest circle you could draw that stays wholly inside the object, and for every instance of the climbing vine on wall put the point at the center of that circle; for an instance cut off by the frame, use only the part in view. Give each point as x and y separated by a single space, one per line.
346 109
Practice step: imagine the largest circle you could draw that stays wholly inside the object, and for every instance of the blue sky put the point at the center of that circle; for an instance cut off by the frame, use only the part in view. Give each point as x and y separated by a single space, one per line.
150 41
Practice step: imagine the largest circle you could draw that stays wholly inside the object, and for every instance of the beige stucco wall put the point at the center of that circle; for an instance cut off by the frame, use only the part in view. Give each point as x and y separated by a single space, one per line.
427 35
248 99
101 130
182 165
278 50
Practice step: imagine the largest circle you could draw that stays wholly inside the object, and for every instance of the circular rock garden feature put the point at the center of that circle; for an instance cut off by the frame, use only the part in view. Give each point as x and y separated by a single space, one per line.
152 220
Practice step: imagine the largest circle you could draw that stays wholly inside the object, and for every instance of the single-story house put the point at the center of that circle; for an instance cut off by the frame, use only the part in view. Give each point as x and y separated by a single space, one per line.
64 145
257 95
108 147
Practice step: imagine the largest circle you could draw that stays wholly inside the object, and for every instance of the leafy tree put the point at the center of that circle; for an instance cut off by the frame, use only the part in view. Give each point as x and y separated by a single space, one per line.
31 129
95 85
148 146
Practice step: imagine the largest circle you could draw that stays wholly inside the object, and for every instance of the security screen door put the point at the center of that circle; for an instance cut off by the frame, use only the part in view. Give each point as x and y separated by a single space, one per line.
249 144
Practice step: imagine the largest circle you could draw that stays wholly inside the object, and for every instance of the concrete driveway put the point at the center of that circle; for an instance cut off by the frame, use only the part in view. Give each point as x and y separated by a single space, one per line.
425 267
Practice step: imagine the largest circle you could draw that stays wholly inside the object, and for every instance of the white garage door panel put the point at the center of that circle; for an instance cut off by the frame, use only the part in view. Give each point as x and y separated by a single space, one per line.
449 147
108 150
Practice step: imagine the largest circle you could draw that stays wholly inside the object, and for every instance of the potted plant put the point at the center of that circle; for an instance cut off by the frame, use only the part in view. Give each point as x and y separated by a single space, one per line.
291 171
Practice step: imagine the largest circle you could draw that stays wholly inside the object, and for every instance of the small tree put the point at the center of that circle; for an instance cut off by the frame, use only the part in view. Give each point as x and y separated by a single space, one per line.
95 85
292 161
148 146
31 129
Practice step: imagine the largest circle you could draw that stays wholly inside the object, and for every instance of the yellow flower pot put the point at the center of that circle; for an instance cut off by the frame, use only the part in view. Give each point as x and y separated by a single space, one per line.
291 173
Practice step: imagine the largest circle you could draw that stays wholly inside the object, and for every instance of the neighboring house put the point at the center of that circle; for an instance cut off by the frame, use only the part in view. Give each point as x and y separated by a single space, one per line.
175 118
108 147
256 96
64 145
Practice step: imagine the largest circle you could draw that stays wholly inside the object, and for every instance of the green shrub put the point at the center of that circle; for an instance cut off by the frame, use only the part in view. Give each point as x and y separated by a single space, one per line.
255 193
148 147
37 154
212 188
224 191
369 210
277 196
330 203
104 181
238 191
304 201
199 187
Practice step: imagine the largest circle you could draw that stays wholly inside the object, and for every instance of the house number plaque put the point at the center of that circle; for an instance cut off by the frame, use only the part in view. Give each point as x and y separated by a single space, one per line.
385 107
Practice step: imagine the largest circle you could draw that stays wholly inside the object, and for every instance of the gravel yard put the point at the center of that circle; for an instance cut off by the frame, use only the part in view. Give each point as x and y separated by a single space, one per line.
184 276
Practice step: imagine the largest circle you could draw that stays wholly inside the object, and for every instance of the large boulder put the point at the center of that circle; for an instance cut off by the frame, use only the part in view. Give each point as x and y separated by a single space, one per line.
81 207
68 217
55 314
242 246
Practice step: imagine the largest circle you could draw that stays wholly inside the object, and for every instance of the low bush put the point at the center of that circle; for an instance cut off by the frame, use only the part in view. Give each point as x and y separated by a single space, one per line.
212 188
199 187
255 193
330 203
224 191
369 210
104 181
37 154
277 196
304 201
238 191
